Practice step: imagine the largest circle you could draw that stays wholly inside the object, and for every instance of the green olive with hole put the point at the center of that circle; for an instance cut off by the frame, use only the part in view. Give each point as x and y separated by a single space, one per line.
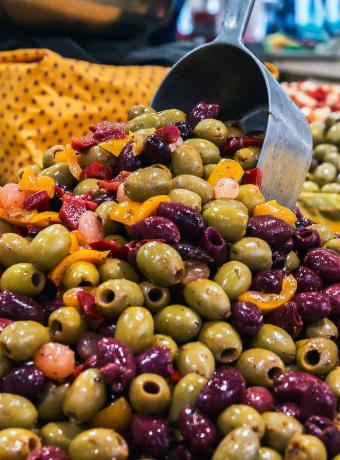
240 444
186 160
60 172
135 328
208 170
114 295
103 212
333 134
66 325
144 121
186 197
277 340
14 249
113 268
235 278
179 322
323 328
238 415
250 195
208 151
165 341
139 109
85 397
259 366
50 407
305 447
146 183
326 234
333 187
266 453
16 412
49 155
5 364
81 273
321 150
171 116
310 187
185 393
324 173
196 357
280 428
34 167
87 186
333 380
98 443
247 157
222 340
213 130
317 356
155 297
17 443
23 278
59 434
194 184
50 246
253 252
230 217
149 394
318 132
96 154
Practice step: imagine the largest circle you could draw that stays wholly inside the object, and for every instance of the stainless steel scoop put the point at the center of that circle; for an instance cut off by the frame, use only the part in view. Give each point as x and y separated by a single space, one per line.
226 72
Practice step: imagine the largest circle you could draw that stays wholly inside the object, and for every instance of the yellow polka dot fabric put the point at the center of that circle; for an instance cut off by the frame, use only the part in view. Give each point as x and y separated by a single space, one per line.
46 99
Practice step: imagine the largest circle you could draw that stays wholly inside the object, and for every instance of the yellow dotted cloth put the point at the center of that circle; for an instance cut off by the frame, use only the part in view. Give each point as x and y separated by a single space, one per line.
46 99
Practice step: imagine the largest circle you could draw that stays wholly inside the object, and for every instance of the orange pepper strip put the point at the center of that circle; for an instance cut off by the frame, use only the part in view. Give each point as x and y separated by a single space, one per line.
16 216
87 255
125 212
74 242
226 168
149 207
269 302
116 416
30 182
70 297
60 157
43 219
72 162
273 208
115 146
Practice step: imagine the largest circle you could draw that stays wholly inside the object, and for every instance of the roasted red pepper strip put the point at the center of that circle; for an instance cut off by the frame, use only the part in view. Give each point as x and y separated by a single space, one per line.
98 171
119 252
169 134
236 143
253 176
38 200
88 306
115 182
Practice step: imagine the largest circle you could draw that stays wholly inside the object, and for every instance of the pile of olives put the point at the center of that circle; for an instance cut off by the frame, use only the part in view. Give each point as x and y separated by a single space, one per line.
154 305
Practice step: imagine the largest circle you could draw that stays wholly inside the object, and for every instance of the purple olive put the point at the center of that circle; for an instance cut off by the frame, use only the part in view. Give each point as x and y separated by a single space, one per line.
50 306
151 434
20 307
198 430
215 245
291 386
190 223
224 388
331 439
291 409
318 400
307 279
155 360
107 328
180 452
155 150
184 129
287 247
25 380
288 318
87 344
312 306
156 227
113 351
333 292
246 317
326 262
279 260
269 228
316 425
191 252
47 453
259 398
201 111
128 161
269 281
305 239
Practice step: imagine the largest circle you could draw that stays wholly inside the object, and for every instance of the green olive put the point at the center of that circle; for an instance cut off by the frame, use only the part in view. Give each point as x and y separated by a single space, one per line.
194 184
250 195
165 341
209 152
35 168
266 453
318 132
50 246
333 380
323 328
230 217
135 328
146 183
324 173
59 434
333 187
119 240
17 443
16 412
66 325
222 340
253 252
321 150
280 428
310 187
208 299
196 357
277 340
259 366
98 443
171 116
186 197
235 128
305 447
212 130
326 234
292 262
208 170
5 364
248 157
186 160
50 406
238 415
144 121
32 336
180 323
185 393
333 134
5 228
113 296
160 263
96 154
332 118
49 155
139 109
240 444
14 249
24 279
85 397
113 269
81 273
103 212
60 172
149 394
334 158
235 278
317 356
155 297
87 186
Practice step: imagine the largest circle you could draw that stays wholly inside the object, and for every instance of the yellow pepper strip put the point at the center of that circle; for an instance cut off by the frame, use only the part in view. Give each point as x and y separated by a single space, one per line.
74 242
149 207
115 146
116 416
273 208
43 219
16 216
125 212
226 168
72 161
60 157
70 297
269 302
87 255
30 182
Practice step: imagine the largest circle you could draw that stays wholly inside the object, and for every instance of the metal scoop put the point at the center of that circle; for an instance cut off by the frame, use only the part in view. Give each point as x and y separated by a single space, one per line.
226 72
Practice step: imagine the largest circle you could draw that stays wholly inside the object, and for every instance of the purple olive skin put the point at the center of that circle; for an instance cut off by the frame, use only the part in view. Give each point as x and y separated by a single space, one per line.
318 400
155 150
270 229
288 318
128 161
291 386
286 247
48 453
279 260
25 380
312 306
20 307
191 252
151 434
155 360
246 317
224 388
184 128
331 439
215 245
107 328
50 306
198 430
307 279
258 398
201 111
87 345
156 227
291 409
180 452
190 223
326 262
316 425
268 281
333 292
305 239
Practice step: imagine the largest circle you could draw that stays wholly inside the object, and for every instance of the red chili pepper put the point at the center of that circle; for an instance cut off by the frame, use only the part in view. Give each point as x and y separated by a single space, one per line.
236 143
119 252
98 171
4 322
88 306
38 200
169 134
253 176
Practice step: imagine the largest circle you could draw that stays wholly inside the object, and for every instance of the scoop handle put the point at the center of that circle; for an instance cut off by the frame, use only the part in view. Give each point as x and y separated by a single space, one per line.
235 21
